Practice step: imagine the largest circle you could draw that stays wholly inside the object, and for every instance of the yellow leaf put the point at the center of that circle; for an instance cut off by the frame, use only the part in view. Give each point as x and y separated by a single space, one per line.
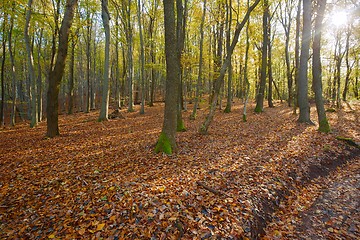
100 226
161 189
172 218
111 188
113 218
51 236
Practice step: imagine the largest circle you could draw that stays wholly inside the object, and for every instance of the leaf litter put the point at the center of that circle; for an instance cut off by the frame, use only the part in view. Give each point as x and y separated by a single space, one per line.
103 180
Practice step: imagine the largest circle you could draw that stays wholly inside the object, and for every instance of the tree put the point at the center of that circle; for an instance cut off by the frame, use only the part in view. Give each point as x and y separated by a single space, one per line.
304 106
142 59
260 95
167 141
229 10
286 20
198 83
13 73
30 61
316 68
297 53
246 77
180 40
56 73
220 79
105 93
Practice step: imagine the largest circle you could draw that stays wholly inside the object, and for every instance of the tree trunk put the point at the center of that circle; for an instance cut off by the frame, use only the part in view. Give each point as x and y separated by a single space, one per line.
316 68
105 91
348 65
39 79
130 59
88 61
142 59
304 105
2 105
297 54
246 78
269 66
13 73
117 68
220 79
71 77
167 141
57 72
260 96
30 60
180 39
199 81
229 85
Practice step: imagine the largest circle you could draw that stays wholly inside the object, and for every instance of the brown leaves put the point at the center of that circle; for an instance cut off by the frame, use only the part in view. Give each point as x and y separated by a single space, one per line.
106 182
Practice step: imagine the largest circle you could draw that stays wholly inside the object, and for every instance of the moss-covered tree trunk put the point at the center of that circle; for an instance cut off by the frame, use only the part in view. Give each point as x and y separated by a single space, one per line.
167 142
316 68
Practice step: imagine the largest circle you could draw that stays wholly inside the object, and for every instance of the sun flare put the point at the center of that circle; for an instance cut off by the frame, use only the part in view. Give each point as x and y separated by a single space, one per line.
339 18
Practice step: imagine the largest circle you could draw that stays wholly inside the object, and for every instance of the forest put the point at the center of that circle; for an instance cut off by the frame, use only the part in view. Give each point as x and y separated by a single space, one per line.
179 119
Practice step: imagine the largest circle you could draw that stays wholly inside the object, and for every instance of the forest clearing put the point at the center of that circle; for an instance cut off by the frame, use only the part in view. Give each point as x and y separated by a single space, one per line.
244 180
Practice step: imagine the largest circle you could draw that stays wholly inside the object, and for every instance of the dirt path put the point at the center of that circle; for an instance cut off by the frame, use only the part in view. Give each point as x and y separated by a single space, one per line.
329 208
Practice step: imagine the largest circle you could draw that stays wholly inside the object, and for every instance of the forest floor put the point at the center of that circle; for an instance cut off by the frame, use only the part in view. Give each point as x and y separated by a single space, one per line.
269 177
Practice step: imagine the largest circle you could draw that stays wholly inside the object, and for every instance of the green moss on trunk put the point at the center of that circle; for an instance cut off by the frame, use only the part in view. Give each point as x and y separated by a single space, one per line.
180 126
324 126
227 109
258 109
163 144
244 118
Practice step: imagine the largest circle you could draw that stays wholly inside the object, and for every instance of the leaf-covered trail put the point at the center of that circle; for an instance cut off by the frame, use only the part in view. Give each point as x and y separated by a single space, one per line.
327 209
102 180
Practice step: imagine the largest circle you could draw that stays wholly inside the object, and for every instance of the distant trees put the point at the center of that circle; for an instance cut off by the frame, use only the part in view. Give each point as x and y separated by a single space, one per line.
121 61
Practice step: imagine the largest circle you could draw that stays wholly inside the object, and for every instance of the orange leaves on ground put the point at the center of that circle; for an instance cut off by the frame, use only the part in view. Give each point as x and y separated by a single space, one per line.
103 180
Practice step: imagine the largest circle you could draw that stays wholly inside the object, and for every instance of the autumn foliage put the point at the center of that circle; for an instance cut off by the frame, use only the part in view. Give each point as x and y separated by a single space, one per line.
104 180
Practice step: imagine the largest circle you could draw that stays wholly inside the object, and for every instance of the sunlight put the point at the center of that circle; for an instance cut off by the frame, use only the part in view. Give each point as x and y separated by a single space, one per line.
339 18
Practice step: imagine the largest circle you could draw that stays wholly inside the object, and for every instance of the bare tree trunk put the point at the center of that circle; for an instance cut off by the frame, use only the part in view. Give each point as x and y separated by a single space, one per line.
348 65
316 68
142 60
260 95
180 39
57 72
130 59
88 60
167 141
39 79
13 73
2 105
117 68
30 60
304 105
220 79
269 66
229 90
246 78
105 91
71 77
297 54
199 81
